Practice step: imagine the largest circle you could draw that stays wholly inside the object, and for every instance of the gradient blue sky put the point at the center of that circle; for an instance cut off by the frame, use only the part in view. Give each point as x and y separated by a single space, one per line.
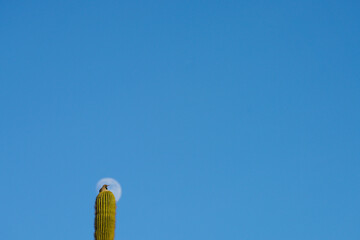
220 119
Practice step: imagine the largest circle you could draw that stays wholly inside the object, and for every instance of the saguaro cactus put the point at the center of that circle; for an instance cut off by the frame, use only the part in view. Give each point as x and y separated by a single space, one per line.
105 210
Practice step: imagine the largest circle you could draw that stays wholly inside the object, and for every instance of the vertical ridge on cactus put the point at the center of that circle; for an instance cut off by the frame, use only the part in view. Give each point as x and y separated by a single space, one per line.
105 211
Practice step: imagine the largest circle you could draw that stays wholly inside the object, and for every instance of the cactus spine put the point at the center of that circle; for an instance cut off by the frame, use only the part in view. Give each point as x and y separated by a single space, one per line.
105 210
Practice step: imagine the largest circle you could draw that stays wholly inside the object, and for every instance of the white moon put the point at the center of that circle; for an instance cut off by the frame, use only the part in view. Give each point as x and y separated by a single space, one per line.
114 186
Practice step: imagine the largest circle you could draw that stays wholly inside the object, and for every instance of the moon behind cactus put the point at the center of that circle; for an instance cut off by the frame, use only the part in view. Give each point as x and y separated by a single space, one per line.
114 186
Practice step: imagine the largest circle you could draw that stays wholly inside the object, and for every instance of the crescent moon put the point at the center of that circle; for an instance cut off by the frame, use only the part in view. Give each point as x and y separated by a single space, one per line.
114 186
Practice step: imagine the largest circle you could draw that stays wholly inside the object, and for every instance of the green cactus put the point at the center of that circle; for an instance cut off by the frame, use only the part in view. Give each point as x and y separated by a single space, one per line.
105 210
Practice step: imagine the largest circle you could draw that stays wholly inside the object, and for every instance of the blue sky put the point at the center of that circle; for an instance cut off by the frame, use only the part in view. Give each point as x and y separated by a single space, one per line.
220 119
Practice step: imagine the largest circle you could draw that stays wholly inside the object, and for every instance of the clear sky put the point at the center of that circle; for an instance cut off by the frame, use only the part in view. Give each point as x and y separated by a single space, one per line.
220 119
